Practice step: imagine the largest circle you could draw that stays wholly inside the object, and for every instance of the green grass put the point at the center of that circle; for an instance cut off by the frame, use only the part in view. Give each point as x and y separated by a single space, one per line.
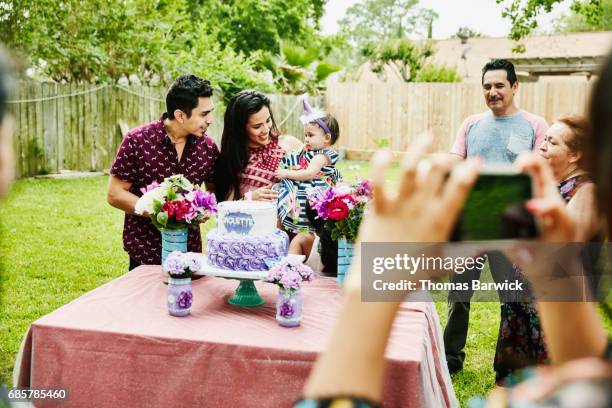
60 239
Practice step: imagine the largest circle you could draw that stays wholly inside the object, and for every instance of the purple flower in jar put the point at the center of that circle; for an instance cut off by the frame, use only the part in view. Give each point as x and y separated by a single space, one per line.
286 309
274 274
291 280
193 262
305 272
185 299
174 263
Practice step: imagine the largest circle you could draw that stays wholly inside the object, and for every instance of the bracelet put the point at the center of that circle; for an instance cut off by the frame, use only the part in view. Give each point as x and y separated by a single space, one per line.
248 196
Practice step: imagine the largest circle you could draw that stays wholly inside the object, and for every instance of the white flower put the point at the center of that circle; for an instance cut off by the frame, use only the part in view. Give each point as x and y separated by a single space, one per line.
145 203
171 299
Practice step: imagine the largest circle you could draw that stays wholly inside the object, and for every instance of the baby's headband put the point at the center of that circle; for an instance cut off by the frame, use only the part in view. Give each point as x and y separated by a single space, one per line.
313 115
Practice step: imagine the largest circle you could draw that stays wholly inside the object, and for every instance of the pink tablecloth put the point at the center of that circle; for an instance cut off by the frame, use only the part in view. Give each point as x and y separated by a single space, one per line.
117 347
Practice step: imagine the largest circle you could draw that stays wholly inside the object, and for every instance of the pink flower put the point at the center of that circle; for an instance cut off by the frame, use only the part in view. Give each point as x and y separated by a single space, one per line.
364 189
170 208
150 187
289 274
178 209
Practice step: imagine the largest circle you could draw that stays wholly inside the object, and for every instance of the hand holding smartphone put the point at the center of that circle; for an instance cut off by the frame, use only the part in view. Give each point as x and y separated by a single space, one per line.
495 209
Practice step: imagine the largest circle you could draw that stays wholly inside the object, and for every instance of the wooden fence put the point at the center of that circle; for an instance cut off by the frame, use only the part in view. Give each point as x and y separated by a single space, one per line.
373 114
77 127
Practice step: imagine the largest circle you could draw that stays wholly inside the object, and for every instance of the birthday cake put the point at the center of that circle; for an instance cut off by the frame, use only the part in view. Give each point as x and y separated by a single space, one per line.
246 237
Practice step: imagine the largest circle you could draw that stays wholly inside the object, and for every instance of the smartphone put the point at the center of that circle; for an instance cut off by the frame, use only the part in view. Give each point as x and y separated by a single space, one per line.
495 208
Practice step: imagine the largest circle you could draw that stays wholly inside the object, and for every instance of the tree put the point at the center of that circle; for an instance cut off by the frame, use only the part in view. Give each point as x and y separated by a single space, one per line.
103 40
438 73
225 68
523 14
466 32
250 25
575 22
407 55
93 40
297 70
374 21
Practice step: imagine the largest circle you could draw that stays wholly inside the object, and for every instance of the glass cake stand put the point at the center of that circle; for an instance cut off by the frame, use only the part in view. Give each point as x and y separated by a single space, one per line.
246 294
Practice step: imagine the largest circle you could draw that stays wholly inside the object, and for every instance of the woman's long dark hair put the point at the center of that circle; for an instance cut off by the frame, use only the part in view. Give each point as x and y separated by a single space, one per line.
234 154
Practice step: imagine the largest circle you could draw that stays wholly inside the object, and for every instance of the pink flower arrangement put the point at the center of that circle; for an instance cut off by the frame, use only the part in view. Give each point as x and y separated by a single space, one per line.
342 206
289 274
176 203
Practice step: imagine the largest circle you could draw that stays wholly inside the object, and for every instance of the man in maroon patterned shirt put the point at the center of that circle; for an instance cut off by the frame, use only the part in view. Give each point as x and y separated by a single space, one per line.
175 144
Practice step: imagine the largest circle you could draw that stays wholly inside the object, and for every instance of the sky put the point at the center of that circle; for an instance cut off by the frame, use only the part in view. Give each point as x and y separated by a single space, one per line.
483 16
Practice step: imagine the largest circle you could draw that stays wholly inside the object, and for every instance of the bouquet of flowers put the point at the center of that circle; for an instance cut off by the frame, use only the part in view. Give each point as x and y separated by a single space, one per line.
181 265
289 274
176 203
342 207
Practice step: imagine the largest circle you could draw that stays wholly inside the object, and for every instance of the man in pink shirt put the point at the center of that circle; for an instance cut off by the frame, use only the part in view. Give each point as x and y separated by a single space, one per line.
497 136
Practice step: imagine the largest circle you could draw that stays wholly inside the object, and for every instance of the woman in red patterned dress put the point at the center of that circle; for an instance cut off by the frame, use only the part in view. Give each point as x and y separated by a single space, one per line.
251 150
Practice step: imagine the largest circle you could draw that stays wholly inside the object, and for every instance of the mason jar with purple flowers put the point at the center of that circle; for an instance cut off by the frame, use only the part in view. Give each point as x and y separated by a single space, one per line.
180 296
289 306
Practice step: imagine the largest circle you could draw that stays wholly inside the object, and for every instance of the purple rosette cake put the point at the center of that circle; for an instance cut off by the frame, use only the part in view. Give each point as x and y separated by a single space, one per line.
246 237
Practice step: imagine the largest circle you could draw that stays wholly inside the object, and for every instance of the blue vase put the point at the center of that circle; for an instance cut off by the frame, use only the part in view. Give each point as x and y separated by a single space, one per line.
180 297
345 257
173 240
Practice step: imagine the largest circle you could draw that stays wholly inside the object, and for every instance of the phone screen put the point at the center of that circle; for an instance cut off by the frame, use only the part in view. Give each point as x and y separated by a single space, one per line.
495 209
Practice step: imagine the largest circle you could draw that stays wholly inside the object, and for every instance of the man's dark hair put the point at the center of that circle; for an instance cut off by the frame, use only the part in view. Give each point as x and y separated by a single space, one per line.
184 94
500 64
